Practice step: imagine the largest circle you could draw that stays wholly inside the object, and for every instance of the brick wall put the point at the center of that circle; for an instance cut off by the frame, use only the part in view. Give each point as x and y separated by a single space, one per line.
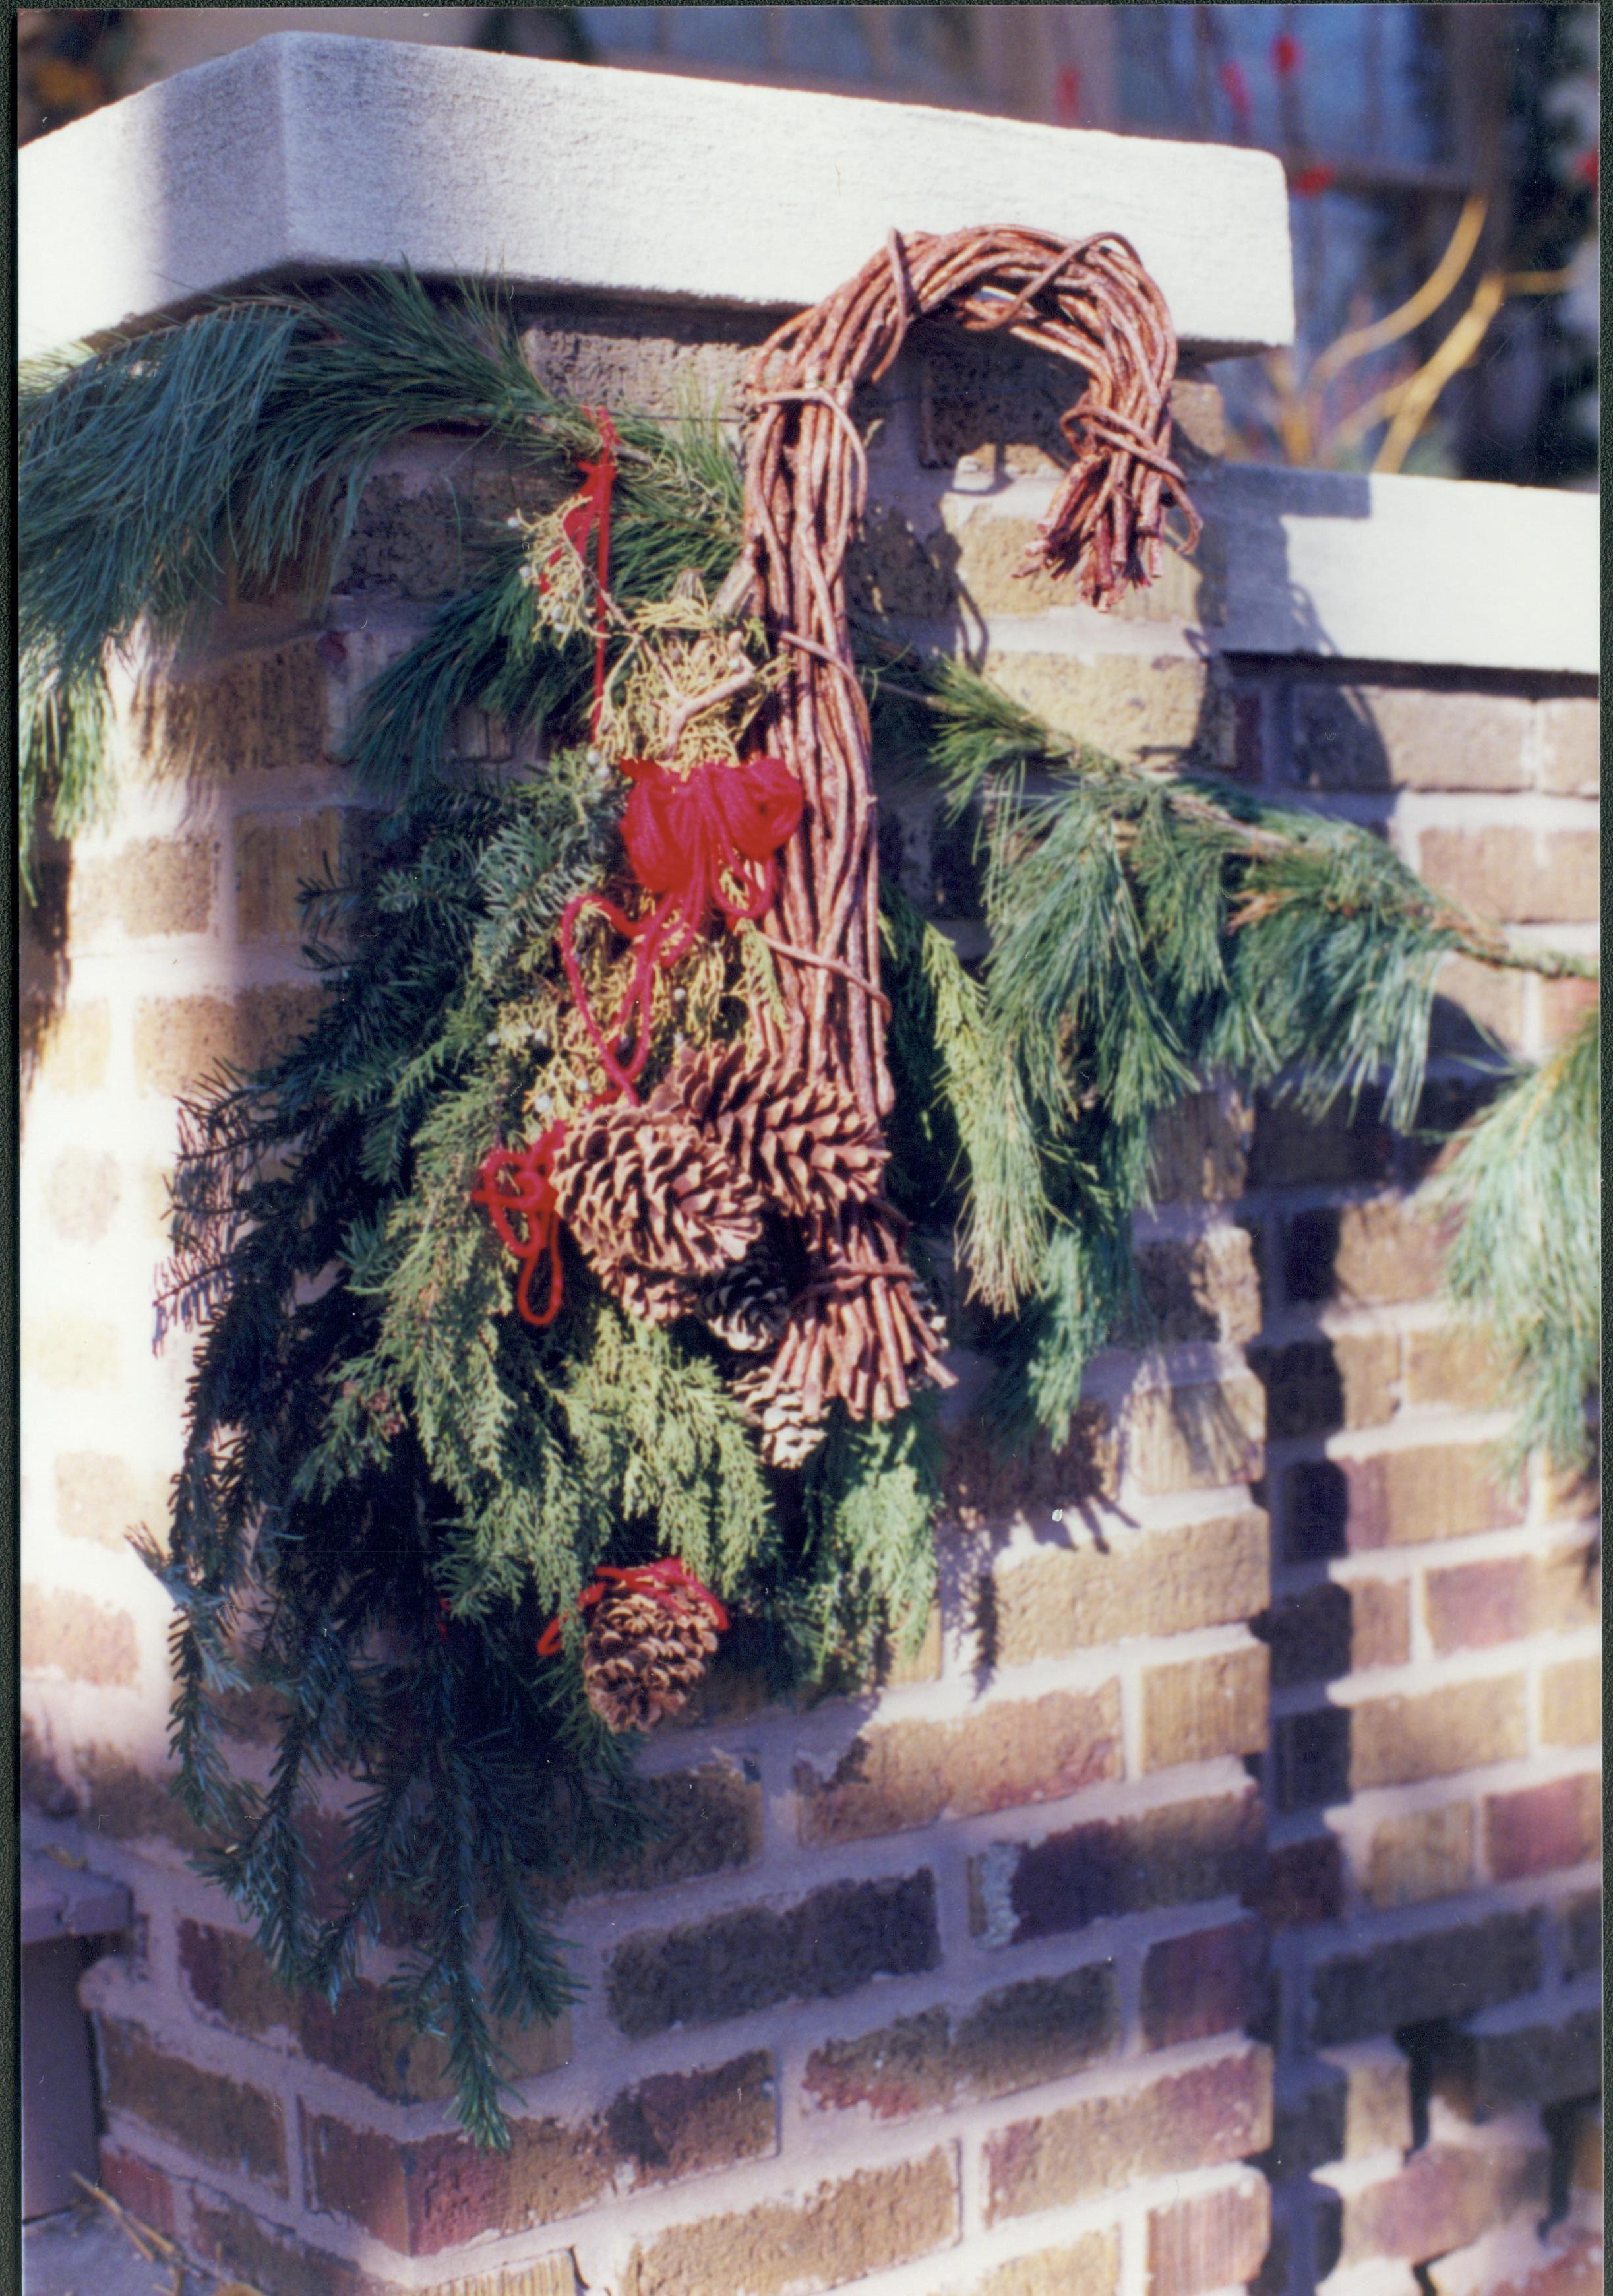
1210 1905
1432 1774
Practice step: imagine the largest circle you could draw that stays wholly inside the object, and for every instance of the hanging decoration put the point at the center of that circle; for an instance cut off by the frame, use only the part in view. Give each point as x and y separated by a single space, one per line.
787 1122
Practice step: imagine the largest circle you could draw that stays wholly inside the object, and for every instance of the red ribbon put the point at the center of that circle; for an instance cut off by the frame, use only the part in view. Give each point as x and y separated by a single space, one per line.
515 1184
590 516
670 1581
705 842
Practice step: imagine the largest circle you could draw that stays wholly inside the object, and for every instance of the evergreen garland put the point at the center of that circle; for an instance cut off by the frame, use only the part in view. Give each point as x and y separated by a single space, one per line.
390 1480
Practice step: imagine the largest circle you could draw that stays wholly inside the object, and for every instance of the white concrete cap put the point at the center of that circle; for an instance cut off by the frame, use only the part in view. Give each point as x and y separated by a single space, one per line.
307 152
1430 571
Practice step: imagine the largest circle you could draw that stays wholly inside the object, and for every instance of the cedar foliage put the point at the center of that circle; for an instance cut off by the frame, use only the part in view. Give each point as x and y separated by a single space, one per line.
390 1481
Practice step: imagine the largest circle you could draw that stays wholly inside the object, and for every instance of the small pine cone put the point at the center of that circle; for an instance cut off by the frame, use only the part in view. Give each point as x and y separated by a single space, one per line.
644 1653
801 1140
653 1298
787 1432
646 1190
745 1305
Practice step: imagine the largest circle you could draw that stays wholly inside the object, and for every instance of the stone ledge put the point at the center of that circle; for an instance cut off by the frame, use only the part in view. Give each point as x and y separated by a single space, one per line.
1435 571
306 153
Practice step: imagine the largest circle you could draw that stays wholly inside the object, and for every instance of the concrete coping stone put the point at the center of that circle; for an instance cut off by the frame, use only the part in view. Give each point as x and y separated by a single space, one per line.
1442 572
311 152
62 1901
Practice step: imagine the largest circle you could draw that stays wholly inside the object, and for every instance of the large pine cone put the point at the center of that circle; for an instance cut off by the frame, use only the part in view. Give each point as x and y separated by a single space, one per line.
650 1296
801 1140
644 1653
646 1191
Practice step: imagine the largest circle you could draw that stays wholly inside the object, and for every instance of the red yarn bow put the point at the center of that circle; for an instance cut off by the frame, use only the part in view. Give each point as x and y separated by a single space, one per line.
515 1184
668 1580
706 841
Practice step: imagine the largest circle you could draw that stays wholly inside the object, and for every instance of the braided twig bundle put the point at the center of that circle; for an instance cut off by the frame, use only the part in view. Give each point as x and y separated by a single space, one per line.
858 1333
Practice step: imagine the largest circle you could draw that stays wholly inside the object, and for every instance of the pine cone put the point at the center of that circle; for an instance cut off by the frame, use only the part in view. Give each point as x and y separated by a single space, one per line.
653 1298
745 1305
646 1191
787 1433
644 1653
801 1140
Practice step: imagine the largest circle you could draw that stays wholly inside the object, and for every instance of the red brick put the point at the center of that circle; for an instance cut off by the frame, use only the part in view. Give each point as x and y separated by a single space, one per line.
1195 1438
1205 1707
1570 743
843 2232
1395 1741
361 2037
128 1803
1373 1254
1453 1364
228 2123
180 1040
825 1945
248 713
1474 1605
1331 1630
1217 2240
435 2193
99 1498
157 885
1443 2197
913 1773
1424 1854
1446 1972
1302 1884
1010 2039
1292 1150
984 1482
1385 737
1514 877
1543 1827
1314 1387
1167 1582
145 2192
73 1635
1410 1498
1199 1288
276 854
1209 1981
1088 2266
1171 1857
266 2259
1527 2061
709 1821
1201 1151
1570 1703
1217 2113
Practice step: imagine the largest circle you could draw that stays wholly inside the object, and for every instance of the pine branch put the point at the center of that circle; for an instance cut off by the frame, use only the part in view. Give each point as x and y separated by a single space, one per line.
1527 1178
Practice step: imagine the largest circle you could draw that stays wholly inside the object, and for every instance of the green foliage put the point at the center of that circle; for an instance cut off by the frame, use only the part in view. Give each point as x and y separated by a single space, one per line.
391 1482
232 449
1527 1176
1148 931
